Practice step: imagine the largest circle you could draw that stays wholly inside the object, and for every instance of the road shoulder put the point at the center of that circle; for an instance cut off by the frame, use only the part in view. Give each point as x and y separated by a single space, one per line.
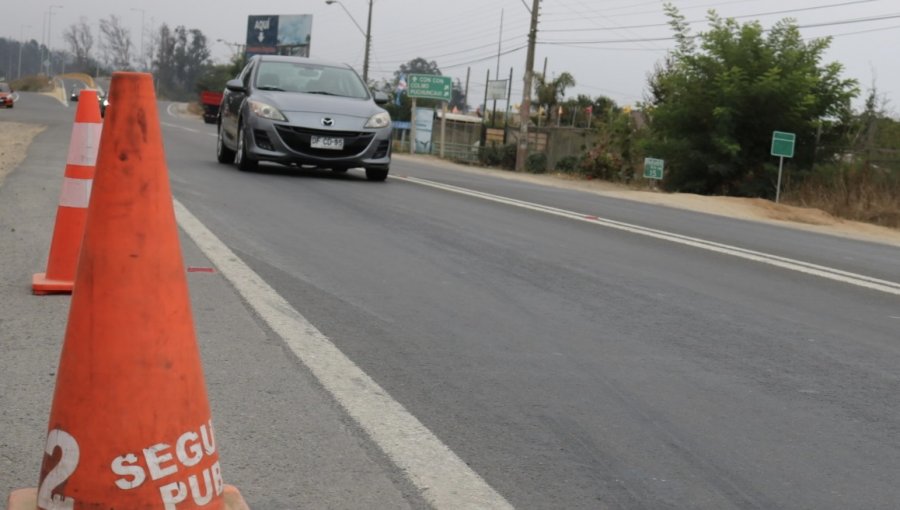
751 209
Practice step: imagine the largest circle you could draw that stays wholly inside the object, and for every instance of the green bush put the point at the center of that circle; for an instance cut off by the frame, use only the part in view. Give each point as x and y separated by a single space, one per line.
536 163
568 164
602 163
503 156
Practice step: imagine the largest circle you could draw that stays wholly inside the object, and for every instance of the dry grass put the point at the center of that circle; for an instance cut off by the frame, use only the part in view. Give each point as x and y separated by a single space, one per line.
195 108
38 83
858 193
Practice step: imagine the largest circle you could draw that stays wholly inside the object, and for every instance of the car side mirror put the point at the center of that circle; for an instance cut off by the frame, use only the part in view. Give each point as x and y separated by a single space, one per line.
235 86
381 97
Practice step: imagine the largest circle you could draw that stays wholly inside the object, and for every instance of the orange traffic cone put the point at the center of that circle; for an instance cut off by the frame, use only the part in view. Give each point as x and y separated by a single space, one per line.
130 425
73 201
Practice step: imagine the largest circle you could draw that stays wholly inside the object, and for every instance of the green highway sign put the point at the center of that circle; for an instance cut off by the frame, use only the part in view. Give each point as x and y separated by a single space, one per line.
653 168
783 144
429 86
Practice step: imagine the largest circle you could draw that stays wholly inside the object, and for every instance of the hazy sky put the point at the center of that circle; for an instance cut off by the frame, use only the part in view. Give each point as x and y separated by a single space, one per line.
609 46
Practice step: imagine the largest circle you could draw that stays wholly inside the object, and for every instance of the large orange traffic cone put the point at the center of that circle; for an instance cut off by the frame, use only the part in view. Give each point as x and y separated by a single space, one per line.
130 425
73 201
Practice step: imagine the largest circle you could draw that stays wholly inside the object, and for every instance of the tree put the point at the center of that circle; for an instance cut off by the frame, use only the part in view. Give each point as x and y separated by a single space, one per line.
458 97
80 41
718 96
164 62
551 93
417 66
115 41
182 62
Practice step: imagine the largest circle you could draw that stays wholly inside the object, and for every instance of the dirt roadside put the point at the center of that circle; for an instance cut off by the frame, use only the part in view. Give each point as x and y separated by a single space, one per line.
15 138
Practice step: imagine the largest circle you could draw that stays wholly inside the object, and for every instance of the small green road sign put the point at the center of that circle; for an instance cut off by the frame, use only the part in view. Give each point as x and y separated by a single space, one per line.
783 144
653 168
429 86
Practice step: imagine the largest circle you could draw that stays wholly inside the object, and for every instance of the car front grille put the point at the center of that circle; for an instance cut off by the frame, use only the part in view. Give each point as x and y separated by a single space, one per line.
298 139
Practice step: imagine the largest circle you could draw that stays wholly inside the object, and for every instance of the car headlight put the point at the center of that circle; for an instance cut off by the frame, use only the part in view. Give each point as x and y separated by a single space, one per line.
265 111
379 120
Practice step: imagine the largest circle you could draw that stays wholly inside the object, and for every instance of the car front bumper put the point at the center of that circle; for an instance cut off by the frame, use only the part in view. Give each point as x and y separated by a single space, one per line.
287 143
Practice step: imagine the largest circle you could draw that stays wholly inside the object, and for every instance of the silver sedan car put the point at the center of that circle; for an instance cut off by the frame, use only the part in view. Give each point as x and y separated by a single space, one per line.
302 111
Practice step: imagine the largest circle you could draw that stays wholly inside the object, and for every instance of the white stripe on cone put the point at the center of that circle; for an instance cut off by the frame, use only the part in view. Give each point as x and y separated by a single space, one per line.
84 144
75 192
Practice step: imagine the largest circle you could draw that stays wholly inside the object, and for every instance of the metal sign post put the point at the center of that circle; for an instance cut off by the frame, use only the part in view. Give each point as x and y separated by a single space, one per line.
443 125
412 128
783 147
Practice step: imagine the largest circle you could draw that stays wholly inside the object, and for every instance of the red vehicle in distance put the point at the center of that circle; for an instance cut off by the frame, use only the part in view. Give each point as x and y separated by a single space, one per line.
6 95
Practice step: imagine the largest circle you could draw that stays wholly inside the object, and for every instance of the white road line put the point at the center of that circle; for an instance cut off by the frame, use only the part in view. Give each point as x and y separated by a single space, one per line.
445 481
192 130
859 280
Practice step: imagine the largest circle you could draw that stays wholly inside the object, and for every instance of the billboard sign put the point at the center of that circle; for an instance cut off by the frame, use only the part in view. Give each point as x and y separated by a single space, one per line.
279 34
496 89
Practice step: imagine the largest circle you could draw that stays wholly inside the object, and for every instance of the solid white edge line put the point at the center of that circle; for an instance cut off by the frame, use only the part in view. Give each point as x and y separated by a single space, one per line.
445 481
867 282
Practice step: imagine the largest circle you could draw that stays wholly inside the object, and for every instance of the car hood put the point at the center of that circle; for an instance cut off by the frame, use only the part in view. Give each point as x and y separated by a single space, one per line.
289 102
4 94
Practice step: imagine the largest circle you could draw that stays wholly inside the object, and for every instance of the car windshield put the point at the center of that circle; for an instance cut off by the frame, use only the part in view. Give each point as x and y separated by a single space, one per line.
310 79
4 87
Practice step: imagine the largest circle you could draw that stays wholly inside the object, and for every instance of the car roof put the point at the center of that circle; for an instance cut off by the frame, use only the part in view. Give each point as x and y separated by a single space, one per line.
308 60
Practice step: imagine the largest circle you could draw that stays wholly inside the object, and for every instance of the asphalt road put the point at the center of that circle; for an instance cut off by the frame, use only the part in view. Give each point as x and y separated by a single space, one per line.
569 357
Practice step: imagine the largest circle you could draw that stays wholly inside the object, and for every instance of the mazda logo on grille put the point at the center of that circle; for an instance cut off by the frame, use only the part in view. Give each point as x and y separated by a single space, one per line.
327 121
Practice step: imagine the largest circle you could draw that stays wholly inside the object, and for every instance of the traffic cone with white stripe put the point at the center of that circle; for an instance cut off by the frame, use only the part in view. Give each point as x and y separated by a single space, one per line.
130 426
73 201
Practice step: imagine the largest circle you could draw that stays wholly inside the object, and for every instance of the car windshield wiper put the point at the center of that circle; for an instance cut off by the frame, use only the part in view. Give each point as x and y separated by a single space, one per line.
322 92
270 87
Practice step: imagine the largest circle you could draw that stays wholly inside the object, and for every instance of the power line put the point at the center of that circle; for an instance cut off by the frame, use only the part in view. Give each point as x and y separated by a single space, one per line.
475 48
892 27
635 13
771 13
489 57
670 38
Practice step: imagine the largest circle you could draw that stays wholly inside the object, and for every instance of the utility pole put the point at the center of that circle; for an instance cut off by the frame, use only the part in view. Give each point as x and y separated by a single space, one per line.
525 109
50 38
368 46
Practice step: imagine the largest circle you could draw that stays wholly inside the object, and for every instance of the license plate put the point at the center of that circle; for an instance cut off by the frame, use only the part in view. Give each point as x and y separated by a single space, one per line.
324 142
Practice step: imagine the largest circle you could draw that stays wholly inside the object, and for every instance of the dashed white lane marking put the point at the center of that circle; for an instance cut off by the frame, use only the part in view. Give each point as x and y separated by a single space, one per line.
445 481
838 275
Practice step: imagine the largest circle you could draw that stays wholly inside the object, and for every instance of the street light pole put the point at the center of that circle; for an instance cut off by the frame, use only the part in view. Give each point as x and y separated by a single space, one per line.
50 38
21 43
143 12
367 33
